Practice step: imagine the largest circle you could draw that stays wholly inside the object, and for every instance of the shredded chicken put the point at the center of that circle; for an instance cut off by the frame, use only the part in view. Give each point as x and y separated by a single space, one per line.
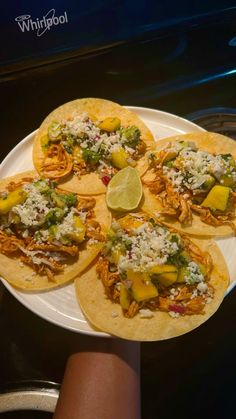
70 250
181 208
172 197
12 186
156 185
49 269
140 149
164 303
86 204
80 168
48 258
198 255
57 162
113 278
184 294
133 309
195 306
205 215
182 301
215 220
94 230
9 243
169 211
102 271
185 216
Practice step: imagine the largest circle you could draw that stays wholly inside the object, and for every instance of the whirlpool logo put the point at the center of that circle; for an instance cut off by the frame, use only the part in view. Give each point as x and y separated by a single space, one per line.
27 24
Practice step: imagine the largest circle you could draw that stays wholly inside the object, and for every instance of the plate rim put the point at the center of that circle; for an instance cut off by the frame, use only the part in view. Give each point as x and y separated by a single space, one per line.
14 291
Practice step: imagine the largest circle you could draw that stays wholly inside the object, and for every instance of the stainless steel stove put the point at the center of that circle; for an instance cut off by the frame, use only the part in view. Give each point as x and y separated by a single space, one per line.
186 67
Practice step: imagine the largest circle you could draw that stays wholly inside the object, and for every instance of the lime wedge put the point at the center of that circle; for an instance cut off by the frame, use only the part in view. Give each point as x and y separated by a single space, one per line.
124 191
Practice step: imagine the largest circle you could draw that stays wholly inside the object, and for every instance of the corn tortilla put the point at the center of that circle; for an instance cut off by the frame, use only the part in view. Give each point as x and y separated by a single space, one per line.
107 316
24 277
100 109
205 141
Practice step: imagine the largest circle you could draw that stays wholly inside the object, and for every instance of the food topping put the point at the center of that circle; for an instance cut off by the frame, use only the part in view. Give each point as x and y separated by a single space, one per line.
188 179
145 266
104 146
44 226
124 191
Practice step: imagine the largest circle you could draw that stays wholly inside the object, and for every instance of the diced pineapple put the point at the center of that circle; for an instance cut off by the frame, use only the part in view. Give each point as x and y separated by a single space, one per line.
15 218
111 235
142 287
80 230
183 272
184 144
167 278
189 144
124 297
217 198
129 223
161 269
116 254
110 124
185 256
119 158
170 155
77 154
13 198
165 274
202 268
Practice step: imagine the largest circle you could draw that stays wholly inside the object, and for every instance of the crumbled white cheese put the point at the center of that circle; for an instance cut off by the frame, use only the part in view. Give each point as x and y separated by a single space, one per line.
36 259
202 287
173 314
33 211
89 136
148 246
92 242
67 225
194 274
192 168
145 313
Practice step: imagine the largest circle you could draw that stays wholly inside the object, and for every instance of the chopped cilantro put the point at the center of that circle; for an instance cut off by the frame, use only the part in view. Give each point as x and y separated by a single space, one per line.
54 215
152 156
67 147
42 185
90 156
226 157
69 199
132 135
174 238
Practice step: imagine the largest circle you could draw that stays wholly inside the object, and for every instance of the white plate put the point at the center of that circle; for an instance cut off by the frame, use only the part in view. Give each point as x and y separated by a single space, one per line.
60 306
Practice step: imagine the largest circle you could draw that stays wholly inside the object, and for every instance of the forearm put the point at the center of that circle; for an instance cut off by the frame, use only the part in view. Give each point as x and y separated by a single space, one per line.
102 384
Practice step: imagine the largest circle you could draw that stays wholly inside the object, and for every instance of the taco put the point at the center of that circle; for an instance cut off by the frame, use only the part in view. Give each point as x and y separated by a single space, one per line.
47 236
151 282
191 183
86 141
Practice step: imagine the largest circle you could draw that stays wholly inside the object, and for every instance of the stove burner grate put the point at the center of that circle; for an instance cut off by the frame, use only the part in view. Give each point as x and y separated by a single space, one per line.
220 120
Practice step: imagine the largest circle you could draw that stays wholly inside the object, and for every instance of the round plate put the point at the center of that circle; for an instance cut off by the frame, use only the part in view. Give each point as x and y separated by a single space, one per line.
60 306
